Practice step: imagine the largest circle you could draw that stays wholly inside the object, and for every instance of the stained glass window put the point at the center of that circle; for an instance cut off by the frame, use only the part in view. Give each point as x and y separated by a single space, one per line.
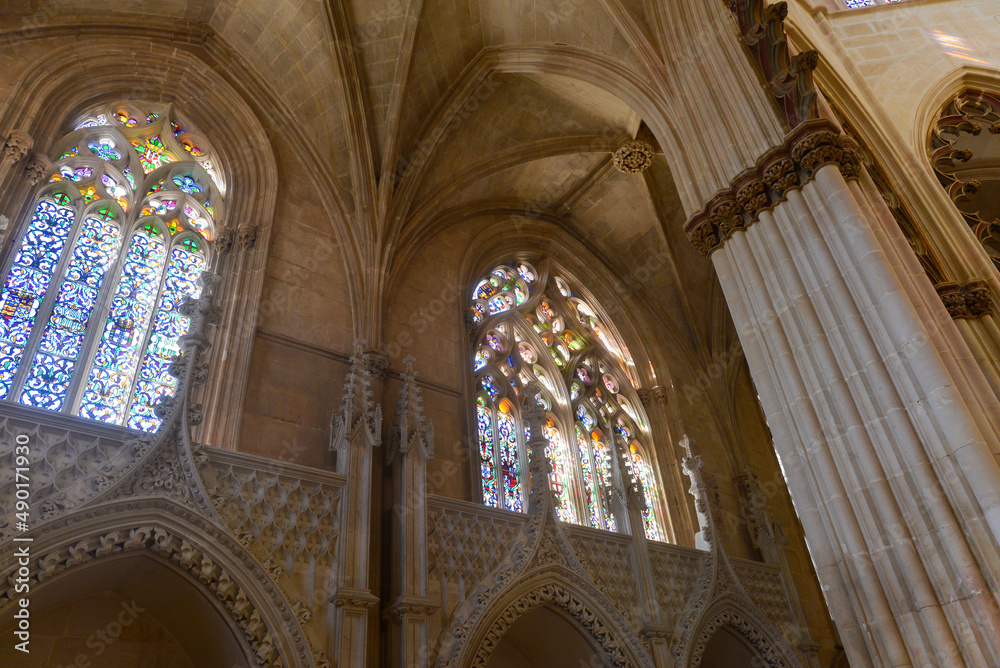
645 475
538 339
89 317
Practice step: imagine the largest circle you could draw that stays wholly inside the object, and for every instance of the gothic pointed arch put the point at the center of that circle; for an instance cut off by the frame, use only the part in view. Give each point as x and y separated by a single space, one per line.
539 336
210 556
732 613
48 101
562 589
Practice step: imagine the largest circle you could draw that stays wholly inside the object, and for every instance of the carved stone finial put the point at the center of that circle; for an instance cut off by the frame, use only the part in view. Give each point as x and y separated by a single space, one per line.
36 168
412 428
971 300
633 157
17 145
358 406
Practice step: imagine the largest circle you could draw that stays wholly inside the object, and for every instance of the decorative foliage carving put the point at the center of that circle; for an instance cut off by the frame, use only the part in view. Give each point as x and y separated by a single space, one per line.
178 549
791 165
749 631
555 595
633 157
246 237
971 300
17 145
36 168
224 240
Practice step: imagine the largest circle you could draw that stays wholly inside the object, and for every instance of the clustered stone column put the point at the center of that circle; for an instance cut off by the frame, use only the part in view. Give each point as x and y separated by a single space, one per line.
885 424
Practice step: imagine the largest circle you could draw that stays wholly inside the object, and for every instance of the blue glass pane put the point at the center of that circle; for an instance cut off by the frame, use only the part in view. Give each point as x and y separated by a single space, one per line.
110 382
27 281
154 381
52 368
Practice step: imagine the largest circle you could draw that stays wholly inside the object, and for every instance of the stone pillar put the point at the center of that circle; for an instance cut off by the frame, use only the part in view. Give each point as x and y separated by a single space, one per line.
356 431
413 444
883 421
12 153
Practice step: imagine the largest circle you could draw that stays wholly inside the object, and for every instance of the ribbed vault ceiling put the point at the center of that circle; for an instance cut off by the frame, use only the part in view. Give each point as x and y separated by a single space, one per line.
366 81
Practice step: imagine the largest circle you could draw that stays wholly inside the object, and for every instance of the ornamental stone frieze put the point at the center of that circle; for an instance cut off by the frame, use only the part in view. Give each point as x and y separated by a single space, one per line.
766 184
971 300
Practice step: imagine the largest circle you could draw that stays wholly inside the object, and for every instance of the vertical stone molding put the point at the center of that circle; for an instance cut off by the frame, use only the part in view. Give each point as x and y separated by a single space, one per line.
412 445
885 426
356 431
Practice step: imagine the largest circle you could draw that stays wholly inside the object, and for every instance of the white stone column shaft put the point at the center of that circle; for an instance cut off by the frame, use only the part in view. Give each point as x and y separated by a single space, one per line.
876 412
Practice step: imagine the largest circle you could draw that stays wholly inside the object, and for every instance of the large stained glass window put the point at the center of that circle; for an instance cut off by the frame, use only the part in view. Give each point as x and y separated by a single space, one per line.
537 339
116 240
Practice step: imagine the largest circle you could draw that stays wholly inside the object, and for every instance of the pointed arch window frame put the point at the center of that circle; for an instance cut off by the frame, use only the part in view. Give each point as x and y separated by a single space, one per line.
560 407
125 196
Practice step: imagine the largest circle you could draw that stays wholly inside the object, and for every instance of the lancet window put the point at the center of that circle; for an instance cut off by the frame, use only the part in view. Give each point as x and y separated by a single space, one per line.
118 233
539 339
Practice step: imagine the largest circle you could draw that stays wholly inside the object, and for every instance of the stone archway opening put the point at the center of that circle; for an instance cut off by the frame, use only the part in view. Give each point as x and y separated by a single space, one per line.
133 609
728 649
546 637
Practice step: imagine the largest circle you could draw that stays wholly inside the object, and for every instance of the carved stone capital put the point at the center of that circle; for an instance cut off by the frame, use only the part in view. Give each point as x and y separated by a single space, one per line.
377 362
645 396
971 300
224 240
354 599
409 606
36 168
246 237
660 394
17 145
751 195
783 168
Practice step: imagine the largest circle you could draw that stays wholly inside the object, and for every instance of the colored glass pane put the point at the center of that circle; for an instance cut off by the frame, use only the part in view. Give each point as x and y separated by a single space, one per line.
112 186
187 184
575 390
560 475
177 129
494 341
527 354
151 153
89 194
602 466
583 416
491 388
125 119
590 490
151 116
622 430
168 325
642 470
29 277
583 373
509 464
129 177
482 357
70 153
611 383
486 456
192 148
59 348
109 385
104 149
